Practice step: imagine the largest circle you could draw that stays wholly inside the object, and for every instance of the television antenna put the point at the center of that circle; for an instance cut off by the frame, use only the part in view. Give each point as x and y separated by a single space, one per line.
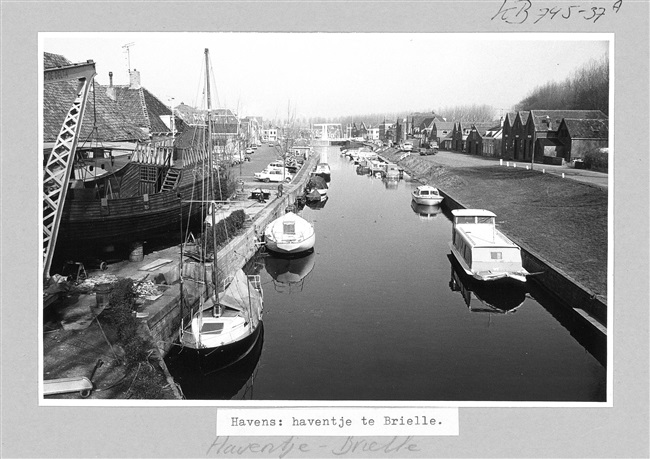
128 54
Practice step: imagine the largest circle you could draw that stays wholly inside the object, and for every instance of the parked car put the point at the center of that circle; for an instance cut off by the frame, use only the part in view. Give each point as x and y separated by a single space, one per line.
250 151
273 175
406 146
427 151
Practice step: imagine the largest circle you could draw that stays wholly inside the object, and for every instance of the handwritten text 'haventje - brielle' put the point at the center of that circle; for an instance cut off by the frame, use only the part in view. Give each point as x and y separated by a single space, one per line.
521 11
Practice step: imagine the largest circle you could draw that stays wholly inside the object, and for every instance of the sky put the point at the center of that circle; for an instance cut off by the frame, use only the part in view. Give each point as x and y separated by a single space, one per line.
333 74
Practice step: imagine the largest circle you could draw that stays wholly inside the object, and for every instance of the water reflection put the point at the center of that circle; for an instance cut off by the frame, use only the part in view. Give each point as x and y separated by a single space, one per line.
317 205
232 383
289 274
497 298
425 212
391 183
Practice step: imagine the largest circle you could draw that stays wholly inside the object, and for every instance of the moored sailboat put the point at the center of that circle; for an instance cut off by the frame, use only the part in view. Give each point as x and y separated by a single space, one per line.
225 325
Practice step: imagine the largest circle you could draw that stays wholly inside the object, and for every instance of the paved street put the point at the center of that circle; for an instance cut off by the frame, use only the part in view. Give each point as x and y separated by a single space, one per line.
455 159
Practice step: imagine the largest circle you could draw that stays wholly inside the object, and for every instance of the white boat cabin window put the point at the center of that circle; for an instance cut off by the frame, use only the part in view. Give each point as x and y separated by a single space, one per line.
496 255
212 327
289 227
473 219
461 220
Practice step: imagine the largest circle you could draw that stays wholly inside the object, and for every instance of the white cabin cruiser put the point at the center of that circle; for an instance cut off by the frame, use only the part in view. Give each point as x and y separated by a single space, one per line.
482 250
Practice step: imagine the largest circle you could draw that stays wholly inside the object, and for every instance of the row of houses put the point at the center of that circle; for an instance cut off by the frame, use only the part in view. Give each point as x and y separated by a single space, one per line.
544 136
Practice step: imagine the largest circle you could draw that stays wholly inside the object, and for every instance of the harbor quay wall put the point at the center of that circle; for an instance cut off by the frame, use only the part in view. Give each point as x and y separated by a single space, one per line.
551 277
165 314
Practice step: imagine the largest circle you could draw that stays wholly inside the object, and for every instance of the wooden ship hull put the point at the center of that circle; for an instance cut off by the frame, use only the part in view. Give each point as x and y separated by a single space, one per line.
141 212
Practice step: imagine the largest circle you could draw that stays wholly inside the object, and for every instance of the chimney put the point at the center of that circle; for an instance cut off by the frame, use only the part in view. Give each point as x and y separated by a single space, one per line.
134 82
110 91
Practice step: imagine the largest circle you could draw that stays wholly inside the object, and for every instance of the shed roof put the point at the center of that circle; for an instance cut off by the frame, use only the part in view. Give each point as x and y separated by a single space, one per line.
481 128
587 129
444 125
549 141
554 117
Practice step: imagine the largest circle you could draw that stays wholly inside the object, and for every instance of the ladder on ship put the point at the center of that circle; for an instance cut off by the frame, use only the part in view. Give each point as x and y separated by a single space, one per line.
171 179
58 169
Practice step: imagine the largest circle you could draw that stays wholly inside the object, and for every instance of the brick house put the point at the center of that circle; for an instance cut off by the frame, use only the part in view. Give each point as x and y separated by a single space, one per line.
507 142
474 139
440 130
541 132
519 142
492 141
582 135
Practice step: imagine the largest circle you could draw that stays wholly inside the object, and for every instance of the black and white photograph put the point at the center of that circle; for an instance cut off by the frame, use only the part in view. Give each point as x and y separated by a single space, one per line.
380 235
304 209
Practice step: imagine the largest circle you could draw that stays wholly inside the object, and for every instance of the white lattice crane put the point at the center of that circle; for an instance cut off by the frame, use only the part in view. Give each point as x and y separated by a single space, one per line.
60 163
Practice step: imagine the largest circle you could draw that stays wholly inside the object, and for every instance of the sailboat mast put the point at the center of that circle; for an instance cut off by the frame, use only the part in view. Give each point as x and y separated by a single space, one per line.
211 176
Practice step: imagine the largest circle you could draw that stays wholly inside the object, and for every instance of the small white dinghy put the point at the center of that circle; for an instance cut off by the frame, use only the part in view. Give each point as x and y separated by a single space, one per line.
289 234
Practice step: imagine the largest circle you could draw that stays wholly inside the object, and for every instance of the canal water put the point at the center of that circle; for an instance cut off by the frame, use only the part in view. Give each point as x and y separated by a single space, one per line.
379 312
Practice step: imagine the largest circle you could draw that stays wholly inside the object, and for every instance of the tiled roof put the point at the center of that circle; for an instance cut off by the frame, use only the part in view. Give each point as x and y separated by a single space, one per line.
546 141
129 102
510 117
156 109
587 129
191 137
101 111
442 125
54 60
523 115
481 128
555 117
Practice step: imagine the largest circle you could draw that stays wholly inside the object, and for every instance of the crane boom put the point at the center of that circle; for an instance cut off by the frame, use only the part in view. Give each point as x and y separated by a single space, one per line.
58 168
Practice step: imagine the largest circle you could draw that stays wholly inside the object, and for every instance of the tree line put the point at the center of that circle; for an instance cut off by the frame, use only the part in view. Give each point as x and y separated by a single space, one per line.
586 89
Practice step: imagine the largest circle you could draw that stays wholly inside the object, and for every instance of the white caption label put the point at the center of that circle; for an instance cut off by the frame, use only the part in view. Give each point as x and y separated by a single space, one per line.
337 421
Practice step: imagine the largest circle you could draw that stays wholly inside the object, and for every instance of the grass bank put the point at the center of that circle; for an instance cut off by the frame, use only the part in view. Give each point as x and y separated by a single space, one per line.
562 220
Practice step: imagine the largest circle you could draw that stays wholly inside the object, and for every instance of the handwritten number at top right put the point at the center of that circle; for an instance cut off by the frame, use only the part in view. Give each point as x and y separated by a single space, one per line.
518 11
